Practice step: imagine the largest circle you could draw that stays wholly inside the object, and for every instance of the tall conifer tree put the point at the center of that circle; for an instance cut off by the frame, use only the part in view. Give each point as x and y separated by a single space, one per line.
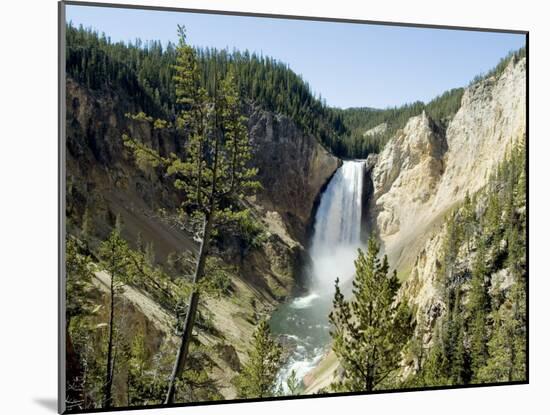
214 176
259 374
114 254
370 330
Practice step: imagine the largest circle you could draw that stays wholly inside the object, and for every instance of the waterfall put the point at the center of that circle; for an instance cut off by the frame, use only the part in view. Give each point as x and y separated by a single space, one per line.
303 321
337 228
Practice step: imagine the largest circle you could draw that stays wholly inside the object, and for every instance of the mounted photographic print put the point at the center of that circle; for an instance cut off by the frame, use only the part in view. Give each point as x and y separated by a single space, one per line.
259 207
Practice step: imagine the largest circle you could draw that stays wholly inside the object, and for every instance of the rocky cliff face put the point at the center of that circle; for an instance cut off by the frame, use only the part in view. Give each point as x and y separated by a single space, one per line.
103 180
379 129
492 117
426 169
293 167
423 172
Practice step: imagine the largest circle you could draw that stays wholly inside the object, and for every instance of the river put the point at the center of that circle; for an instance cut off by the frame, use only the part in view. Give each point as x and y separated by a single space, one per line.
303 321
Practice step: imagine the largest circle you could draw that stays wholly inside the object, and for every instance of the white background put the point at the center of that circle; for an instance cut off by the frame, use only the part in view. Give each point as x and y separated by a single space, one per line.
28 208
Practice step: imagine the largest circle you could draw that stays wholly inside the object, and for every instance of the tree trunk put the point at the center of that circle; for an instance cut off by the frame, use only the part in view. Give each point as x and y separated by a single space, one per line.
191 313
75 375
109 372
369 381
199 271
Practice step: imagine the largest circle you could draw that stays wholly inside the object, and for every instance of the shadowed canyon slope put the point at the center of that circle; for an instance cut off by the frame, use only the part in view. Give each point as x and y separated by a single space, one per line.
103 179
293 167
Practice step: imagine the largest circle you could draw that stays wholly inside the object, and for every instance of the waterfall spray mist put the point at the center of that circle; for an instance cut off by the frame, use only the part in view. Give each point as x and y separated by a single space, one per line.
333 249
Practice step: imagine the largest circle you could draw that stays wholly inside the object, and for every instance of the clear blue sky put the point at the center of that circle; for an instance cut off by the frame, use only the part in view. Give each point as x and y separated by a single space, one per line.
350 65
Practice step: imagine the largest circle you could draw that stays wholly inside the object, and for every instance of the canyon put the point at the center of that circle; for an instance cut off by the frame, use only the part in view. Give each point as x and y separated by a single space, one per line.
401 195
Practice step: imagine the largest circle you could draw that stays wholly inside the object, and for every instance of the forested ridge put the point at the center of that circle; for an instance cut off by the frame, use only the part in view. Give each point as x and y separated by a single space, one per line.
441 109
145 70
121 353
360 120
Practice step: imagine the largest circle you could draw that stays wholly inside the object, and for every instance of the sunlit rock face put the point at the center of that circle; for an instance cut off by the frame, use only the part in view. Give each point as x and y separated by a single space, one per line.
492 117
423 172
425 169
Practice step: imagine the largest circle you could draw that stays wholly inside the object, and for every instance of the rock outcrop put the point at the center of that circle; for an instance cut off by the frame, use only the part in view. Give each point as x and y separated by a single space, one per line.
423 172
492 117
379 129
293 167
425 169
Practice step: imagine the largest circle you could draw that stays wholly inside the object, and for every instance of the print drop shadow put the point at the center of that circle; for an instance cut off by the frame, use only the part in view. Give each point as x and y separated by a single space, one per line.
48 403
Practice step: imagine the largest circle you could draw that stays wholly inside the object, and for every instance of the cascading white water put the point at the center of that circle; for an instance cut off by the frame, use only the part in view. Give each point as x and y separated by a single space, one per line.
333 248
337 229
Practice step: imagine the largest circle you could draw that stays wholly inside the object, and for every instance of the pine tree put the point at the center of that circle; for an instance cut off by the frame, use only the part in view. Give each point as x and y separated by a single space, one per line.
500 364
459 358
214 176
483 338
79 281
478 307
434 370
258 376
370 330
144 386
293 384
114 254
137 358
78 306
507 345
417 350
